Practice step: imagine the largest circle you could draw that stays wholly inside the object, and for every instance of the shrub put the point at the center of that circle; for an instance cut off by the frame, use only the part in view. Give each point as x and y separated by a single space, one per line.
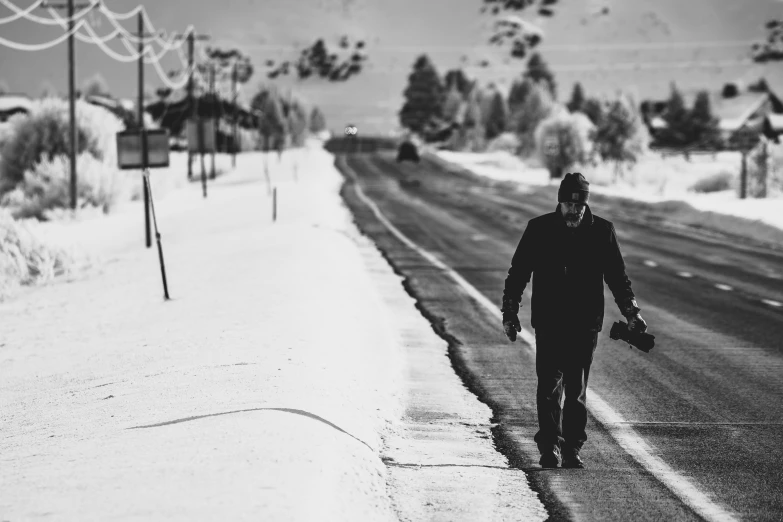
46 187
24 259
45 134
715 183
560 143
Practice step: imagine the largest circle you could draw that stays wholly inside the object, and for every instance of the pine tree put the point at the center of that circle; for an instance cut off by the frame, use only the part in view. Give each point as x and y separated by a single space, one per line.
497 116
317 121
703 125
593 109
538 71
452 106
423 96
577 98
519 91
537 107
621 135
456 79
272 120
677 132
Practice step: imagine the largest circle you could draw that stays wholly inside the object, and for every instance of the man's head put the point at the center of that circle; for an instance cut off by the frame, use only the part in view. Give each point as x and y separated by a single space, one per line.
572 196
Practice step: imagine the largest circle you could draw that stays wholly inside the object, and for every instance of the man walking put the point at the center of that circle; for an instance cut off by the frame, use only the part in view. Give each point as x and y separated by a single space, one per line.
570 253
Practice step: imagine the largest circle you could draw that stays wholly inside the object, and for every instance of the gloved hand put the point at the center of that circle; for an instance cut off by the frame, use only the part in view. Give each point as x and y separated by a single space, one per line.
636 323
511 326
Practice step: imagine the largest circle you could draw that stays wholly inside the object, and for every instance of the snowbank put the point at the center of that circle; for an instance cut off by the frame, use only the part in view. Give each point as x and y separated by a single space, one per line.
654 179
260 391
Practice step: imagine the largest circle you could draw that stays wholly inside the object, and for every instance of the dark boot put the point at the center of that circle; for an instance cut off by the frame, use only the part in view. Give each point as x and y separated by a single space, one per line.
550 458
571 459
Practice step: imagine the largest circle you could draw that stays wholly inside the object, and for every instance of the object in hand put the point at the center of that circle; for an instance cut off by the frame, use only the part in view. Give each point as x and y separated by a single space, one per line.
639 340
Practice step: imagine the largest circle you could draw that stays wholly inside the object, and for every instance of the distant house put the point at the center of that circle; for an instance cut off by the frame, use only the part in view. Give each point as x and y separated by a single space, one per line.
746 110
13 104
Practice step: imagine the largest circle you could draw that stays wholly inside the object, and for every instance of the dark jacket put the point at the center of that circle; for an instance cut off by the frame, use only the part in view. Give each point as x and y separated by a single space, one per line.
569 267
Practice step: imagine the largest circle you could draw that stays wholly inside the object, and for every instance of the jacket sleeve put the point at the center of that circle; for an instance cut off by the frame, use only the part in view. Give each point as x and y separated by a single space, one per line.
616 278
519 273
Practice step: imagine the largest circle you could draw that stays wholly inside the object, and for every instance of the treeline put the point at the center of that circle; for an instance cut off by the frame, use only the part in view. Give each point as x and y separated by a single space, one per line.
458 113
284 119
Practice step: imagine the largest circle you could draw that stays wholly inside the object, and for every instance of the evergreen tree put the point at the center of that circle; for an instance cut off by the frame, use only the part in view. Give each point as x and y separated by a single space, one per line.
538 71
497 116
577 98
677 117
537 107
452 106
423 96
519 91
456 79
593 109
621 135
317 121
703 125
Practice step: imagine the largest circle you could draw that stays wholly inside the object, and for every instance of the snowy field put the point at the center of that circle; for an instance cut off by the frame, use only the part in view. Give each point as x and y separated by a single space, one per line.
654 179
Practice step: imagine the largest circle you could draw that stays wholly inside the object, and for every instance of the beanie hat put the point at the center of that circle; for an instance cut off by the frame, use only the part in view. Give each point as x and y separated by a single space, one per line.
574 188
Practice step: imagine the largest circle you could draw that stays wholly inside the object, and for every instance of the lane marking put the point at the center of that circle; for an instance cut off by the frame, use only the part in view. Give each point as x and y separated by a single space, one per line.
650 263
625 436
770 302
686 275
721 286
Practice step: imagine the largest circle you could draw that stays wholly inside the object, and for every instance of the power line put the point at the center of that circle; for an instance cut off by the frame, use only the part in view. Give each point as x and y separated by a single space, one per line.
26 13
42 47
21 13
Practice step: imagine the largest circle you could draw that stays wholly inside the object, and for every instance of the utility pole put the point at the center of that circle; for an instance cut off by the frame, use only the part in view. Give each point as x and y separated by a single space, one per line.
191 37
71 87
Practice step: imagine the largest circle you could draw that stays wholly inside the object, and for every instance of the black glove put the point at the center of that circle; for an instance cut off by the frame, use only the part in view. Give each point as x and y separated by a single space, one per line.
636 324
511 326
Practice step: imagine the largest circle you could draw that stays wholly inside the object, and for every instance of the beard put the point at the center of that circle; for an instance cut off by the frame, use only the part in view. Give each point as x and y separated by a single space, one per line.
572 220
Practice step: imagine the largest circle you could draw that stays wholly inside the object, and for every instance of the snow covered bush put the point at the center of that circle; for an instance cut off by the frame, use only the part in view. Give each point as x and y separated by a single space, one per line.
45 188
24 259
45 134
560 143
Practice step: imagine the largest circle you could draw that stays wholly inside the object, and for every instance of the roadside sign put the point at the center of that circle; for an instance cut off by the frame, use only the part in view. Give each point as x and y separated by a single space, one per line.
201 135
129 149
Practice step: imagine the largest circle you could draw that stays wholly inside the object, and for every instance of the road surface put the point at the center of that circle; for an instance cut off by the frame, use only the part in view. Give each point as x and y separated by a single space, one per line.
702 413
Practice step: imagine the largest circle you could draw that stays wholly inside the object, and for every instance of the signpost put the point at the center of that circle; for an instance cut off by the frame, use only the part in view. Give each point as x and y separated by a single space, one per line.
142 149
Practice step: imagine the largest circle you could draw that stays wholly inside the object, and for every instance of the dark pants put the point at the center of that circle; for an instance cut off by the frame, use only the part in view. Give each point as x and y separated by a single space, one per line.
562 365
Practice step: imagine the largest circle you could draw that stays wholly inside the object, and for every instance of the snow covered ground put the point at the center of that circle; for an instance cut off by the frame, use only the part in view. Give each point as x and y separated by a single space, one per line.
272 386
654 179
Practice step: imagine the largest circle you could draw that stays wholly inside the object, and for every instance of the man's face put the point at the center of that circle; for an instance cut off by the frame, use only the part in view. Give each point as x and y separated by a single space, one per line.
572 213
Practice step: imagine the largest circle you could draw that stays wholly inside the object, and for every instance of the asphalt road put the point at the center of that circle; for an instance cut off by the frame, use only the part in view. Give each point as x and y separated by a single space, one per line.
708 400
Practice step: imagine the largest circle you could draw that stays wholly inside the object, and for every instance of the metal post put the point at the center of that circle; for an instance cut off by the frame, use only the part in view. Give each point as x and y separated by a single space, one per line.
214 100
143 135
274 204
191 103
234 112
744 175
72 100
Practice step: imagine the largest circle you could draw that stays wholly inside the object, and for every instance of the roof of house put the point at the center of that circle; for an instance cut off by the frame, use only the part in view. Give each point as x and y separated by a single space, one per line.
10 102
775 121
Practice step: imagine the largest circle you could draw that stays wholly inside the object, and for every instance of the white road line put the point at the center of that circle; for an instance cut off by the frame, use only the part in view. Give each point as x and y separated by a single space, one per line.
651 263
770 302
686 275
625 436
721 286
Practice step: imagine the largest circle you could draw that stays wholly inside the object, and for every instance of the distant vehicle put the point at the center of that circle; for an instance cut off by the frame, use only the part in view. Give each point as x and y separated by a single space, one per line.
351 130
178 143
407 151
